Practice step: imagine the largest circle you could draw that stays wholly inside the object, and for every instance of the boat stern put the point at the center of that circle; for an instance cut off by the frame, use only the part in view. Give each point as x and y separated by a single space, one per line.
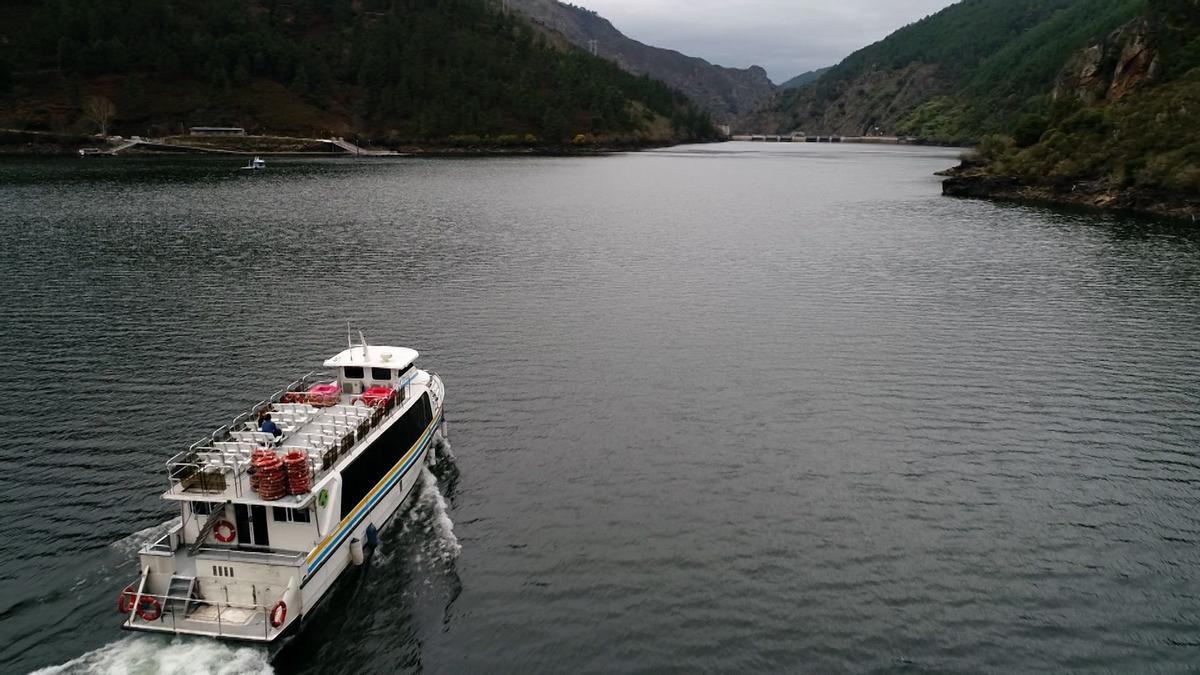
227 594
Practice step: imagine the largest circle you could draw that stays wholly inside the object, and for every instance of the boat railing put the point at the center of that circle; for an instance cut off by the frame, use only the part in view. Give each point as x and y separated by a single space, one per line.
293 558
205 616
216 464
170 542
167 543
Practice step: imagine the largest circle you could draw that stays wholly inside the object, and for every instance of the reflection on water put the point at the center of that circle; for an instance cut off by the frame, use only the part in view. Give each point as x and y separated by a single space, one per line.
729 407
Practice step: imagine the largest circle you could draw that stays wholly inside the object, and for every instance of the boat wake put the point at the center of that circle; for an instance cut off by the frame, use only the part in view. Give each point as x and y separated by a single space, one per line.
441 446
131 544
430 513
149 654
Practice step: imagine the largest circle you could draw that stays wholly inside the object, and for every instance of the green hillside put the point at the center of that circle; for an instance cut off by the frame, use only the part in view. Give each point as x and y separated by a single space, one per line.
970 69
394 70
805 78
1140 141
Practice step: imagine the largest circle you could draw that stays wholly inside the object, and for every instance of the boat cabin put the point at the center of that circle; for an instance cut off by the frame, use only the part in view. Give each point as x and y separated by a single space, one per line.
360 369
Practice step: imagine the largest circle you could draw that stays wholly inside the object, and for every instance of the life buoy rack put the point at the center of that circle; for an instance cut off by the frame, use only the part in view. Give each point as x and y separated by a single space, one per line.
323 395
375 397
224 531
149 608
125 600
278 614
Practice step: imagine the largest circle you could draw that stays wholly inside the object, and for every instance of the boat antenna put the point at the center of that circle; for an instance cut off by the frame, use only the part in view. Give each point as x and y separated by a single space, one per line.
364 344
349 342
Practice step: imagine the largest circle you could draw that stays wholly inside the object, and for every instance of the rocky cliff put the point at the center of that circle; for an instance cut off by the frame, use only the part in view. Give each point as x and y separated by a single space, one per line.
728 94
1112 68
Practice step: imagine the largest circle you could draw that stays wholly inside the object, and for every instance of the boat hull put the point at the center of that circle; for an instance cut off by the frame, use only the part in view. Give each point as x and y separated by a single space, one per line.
326 566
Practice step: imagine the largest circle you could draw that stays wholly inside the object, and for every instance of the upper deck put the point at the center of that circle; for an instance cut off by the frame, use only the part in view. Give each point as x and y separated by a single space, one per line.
323 426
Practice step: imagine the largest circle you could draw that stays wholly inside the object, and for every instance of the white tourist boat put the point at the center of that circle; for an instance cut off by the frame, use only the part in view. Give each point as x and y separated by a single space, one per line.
256 164
268 522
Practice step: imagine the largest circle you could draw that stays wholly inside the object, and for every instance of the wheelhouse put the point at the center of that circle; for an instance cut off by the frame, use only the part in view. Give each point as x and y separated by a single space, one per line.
360 369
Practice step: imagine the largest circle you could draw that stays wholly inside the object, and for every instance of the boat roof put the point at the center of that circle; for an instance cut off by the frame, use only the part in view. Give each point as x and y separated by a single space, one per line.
374 356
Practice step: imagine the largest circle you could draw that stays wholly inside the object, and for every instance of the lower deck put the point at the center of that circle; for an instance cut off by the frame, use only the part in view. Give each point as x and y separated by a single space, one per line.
210 620
220 591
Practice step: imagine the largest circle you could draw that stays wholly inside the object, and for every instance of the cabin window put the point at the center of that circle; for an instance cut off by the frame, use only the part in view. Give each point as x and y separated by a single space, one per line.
353 372
201 508
381 373
286 515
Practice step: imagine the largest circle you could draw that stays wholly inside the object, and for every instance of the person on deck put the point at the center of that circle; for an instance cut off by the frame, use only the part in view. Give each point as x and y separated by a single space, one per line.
266 426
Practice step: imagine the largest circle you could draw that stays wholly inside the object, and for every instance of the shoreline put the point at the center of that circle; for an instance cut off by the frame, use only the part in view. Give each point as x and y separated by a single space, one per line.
20 143
1090 195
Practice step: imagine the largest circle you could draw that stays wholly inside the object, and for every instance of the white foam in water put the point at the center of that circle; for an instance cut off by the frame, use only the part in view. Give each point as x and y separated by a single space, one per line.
432 505
439 450
146 655
133 542
445 450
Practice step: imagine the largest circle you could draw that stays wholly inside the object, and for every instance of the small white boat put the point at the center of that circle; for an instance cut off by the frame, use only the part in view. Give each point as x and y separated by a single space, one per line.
270 518
256 164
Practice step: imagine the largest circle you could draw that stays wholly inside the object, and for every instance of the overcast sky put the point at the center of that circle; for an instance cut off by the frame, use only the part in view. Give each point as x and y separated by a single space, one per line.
787 37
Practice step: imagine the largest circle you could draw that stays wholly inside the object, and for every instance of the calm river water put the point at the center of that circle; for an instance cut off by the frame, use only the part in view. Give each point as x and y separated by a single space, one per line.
733 408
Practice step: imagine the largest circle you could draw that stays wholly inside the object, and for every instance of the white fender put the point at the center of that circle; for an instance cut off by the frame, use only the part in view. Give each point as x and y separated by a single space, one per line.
292 596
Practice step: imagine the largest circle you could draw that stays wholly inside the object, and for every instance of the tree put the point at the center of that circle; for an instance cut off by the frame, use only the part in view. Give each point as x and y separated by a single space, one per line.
6 79
100 111
1029 129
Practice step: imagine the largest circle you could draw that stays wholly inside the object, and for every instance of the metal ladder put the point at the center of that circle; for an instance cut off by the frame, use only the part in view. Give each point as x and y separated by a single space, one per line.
217 514
180 594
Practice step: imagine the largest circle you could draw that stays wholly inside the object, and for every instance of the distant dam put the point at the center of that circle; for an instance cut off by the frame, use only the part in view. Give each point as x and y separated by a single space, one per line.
805 138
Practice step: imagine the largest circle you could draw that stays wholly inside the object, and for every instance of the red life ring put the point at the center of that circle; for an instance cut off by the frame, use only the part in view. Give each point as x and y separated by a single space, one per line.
278 614
148 608
224 525
125 600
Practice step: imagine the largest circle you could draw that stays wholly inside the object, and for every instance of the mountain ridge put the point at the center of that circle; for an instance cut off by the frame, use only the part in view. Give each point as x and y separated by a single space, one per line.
730 95
804 78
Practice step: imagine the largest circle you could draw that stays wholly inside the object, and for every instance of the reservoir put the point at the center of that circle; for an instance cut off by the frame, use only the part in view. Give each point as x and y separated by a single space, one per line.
739 407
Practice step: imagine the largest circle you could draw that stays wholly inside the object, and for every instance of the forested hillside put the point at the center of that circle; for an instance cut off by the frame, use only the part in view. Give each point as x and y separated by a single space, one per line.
972 68
394 70
1121 128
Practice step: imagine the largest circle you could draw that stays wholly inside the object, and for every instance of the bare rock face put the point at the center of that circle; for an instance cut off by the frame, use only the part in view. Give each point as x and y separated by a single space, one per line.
1137 63
1109 70
1085 77
730 95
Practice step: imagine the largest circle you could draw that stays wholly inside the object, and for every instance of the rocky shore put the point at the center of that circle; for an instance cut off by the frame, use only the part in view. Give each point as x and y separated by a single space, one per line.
973 183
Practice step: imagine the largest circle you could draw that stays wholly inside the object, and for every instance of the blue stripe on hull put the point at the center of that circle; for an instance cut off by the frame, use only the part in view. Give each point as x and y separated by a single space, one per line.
365 509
